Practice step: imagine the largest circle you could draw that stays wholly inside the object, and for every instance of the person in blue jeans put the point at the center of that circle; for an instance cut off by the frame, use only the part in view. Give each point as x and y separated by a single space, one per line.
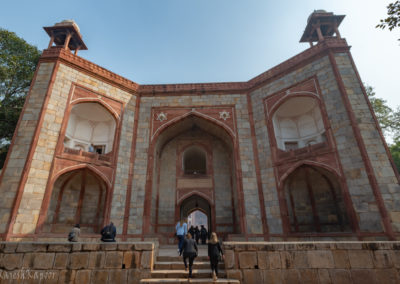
181 231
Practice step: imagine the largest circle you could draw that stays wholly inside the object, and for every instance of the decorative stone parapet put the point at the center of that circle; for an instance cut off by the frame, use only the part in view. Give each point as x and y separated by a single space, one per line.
313 262
126 262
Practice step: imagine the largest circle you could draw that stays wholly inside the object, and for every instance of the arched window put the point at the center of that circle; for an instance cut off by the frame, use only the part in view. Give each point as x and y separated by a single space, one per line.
194 161
315 202
298 123
90 128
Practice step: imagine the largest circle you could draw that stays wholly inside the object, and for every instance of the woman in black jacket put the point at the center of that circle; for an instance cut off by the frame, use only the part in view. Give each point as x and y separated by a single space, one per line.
189 250
214 251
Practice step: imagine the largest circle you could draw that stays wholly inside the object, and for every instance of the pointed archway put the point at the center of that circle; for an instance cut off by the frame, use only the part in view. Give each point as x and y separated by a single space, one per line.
196 203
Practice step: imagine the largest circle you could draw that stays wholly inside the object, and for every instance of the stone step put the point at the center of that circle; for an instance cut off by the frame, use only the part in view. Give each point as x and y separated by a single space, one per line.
186 280
164 258
181 273
164 265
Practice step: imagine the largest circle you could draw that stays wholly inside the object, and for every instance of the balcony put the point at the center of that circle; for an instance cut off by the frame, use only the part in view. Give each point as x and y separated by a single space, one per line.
89 157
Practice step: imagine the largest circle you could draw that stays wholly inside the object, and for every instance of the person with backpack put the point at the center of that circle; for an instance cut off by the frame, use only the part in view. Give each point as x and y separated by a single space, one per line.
75 233
108 233
214 254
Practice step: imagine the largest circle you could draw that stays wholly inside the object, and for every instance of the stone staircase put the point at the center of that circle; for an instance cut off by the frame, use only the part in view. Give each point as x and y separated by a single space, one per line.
169 268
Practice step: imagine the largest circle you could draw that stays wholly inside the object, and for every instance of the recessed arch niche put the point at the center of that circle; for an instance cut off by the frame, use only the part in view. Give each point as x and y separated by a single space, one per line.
298 123
90 123
315 201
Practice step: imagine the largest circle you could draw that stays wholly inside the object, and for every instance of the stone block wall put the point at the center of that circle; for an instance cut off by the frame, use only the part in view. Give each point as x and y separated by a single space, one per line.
313 262
76 262
22 140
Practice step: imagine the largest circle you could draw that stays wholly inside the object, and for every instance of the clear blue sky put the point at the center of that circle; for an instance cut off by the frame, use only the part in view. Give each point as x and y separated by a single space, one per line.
180 41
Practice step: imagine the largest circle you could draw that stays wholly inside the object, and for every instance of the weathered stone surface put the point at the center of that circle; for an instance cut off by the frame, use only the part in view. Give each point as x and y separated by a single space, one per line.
365 276
144 246
43 260
360 259
341 259
274 260
60 248
78 260
12 261
114 259
146 260
320 259
308 276
247 260
90 247
99 276
229 260
31 247
96 259
83 276
252 276
340 276
323 275
61 261
118 276
262 260
290 276
131 259
382 259
272 276
387 276
234 274
67 276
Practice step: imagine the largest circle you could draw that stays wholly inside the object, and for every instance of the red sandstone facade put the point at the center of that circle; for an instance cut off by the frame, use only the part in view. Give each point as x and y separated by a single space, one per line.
294 153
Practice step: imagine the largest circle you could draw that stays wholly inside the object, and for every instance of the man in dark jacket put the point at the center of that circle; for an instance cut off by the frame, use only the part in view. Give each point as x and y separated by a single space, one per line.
203 235
108 233
189 250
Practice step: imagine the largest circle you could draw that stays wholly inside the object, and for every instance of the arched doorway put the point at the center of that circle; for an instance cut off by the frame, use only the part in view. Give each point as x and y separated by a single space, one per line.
196 203
78 196
193 156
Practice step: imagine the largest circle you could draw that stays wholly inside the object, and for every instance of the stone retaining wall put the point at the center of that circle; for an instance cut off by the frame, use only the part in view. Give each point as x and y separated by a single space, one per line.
313 262
76 262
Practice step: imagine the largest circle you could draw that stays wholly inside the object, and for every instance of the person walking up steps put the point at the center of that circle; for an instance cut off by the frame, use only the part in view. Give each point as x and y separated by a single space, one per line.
214 252
203 235
181 231
189 250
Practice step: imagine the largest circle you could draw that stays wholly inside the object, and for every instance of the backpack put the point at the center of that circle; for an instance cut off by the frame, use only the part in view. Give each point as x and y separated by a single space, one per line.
107 233
71 236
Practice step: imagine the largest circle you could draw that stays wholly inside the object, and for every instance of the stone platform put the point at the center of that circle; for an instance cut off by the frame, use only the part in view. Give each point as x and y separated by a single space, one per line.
245 262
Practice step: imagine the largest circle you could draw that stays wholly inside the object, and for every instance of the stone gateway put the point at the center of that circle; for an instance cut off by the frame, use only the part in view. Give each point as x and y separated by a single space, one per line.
295 153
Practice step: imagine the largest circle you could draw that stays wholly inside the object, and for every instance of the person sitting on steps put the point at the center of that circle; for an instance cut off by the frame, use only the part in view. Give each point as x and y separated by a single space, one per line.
108 233
73 236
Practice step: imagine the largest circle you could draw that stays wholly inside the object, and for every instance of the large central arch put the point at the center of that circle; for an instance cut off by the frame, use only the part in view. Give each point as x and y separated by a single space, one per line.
169 184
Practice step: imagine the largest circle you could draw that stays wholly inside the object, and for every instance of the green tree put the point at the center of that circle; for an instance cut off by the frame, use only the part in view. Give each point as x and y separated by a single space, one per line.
389 121
393 19
18 61
383 112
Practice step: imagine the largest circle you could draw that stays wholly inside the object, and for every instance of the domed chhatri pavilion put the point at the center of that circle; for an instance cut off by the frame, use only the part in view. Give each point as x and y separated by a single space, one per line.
295 153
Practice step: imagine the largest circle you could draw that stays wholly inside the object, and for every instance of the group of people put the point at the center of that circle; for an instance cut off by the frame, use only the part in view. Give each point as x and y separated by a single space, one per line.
108 233
187 243
187 246
198 234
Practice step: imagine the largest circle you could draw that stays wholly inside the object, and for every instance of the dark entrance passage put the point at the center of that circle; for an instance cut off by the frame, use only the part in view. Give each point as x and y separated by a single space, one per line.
194 204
